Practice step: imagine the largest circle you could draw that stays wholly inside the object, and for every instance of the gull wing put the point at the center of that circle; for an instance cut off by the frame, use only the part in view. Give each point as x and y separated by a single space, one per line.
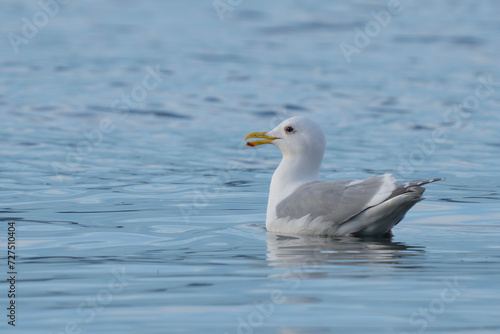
337 201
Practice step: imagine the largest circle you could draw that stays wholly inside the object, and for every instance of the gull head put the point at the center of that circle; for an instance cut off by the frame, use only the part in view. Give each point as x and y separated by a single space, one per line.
297 137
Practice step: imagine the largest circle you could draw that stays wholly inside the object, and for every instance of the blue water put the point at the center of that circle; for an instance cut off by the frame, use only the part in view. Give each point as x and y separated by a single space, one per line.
139 209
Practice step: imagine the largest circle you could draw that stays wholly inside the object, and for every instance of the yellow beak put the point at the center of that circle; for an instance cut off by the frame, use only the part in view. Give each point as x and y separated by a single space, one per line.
267 139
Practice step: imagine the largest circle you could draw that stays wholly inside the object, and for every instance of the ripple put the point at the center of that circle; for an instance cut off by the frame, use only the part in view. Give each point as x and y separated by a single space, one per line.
266 113
57 192
159 113
308 27
150 188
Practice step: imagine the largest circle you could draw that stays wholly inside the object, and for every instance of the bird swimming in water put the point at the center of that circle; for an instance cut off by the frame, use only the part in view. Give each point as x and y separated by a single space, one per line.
299 203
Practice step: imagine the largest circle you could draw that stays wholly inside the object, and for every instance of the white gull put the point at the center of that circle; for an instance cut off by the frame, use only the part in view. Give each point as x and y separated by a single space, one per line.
299 203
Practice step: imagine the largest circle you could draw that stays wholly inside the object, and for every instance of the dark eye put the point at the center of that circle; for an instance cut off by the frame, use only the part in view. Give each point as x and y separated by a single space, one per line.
289 129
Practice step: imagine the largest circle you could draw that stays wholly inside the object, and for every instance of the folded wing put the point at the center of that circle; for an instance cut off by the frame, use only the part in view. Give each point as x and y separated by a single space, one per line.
339 201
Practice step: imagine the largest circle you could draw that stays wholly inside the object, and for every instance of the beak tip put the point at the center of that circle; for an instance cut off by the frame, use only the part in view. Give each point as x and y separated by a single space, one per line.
259 135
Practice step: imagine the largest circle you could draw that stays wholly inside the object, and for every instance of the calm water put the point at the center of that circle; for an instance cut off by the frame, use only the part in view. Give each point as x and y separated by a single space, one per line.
138 209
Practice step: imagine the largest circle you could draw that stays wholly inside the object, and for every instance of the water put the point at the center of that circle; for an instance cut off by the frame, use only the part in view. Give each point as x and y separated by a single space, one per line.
146 213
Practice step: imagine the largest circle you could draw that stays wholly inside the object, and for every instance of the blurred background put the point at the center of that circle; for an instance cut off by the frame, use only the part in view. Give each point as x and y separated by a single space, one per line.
121 156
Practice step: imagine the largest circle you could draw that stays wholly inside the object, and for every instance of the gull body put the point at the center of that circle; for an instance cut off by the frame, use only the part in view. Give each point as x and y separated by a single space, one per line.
299 203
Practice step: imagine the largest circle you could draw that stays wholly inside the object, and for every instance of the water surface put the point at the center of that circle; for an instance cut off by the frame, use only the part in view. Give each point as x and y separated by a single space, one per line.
139 209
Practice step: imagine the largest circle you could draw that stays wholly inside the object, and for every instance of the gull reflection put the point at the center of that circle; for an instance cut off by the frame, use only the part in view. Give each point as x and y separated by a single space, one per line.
318 251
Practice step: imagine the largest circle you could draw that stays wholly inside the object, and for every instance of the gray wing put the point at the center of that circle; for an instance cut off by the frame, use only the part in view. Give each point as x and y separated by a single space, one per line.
337 201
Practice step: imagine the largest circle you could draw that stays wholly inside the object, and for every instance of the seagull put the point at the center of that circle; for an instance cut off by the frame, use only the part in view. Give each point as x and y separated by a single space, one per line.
299 203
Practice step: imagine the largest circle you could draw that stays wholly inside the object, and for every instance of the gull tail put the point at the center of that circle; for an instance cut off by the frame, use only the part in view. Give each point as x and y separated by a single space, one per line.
414 186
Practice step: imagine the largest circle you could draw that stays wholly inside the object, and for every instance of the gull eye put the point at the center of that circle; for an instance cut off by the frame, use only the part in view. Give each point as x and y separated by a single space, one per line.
289 129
